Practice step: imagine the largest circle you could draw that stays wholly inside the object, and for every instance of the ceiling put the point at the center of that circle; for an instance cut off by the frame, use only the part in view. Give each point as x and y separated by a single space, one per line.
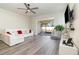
45 21
44 8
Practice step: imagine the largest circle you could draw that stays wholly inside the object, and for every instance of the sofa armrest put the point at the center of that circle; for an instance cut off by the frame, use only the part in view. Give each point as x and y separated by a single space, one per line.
7 35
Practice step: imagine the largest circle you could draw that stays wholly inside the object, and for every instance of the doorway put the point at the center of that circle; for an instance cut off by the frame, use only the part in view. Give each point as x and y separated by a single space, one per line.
47 27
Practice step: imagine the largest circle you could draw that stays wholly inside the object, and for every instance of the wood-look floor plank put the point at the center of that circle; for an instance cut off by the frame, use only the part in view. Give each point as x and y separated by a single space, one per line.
35 45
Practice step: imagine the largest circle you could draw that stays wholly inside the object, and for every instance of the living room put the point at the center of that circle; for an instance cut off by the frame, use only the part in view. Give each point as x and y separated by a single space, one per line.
20 28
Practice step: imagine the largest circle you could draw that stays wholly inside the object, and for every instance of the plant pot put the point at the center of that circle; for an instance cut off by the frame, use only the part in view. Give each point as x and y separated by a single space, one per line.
58 33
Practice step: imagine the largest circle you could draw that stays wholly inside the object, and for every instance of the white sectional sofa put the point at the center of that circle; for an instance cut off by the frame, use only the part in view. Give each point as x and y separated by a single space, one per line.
15 36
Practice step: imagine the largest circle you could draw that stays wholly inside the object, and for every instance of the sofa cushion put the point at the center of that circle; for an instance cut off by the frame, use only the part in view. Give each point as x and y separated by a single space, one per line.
12 31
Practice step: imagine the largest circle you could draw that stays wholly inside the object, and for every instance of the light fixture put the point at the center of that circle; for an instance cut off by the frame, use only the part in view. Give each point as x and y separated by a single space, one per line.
28 10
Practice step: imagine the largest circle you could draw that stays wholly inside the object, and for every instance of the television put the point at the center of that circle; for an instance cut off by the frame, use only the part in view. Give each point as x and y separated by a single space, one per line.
71 16
66 15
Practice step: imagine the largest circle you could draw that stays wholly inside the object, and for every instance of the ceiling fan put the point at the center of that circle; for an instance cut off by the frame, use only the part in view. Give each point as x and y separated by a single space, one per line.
28 9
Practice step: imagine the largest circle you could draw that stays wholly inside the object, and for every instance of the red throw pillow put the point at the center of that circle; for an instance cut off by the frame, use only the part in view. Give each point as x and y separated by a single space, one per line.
19 32
30 31
8 33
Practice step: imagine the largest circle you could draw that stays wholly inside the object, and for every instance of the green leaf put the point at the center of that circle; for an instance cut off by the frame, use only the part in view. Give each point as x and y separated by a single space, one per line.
59 27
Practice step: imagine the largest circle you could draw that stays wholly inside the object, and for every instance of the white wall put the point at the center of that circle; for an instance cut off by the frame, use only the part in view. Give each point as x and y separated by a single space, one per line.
75 33
34 26
71 5
11 20
58 18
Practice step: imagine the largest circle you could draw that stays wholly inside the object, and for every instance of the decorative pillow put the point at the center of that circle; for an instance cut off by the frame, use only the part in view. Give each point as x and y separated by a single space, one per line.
8 33
19 32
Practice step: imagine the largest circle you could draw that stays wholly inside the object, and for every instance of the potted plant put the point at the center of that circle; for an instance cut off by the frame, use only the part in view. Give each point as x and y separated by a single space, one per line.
59 29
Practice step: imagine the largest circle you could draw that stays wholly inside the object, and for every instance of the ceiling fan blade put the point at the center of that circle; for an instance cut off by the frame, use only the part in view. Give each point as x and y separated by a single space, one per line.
26 5
34 8
22 8
26 12
33 12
